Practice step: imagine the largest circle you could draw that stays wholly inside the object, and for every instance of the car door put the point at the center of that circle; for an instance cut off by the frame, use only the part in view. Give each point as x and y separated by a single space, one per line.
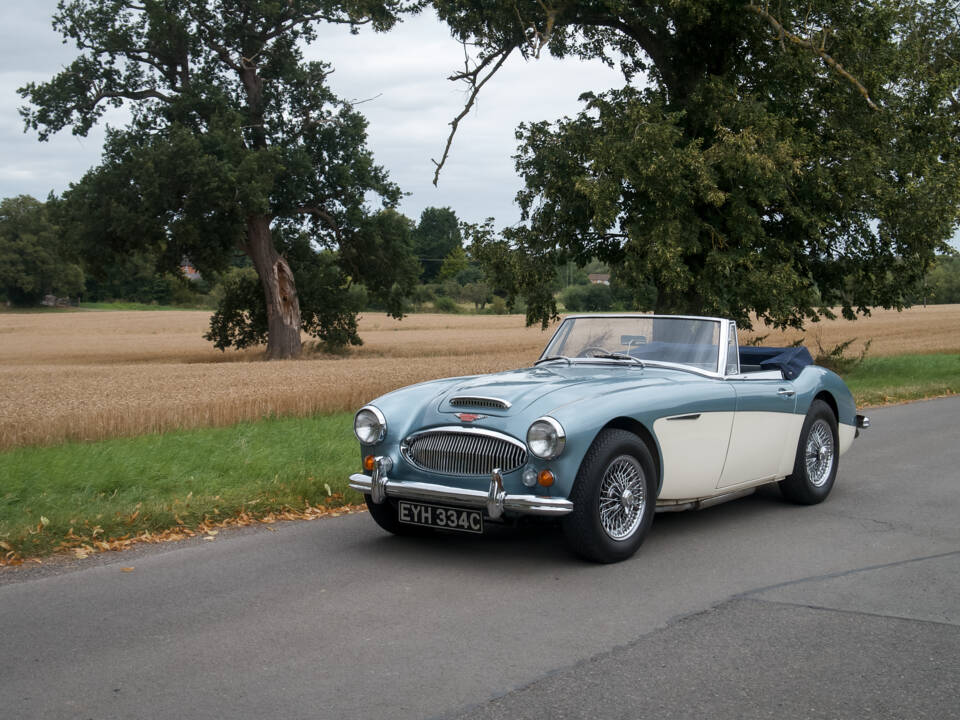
693 439
764 428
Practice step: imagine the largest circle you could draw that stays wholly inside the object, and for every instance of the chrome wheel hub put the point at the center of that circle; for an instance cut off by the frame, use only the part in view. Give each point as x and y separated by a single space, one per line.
622 497
819 453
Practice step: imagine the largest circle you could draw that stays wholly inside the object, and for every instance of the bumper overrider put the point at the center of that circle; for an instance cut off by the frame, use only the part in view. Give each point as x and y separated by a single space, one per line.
496 501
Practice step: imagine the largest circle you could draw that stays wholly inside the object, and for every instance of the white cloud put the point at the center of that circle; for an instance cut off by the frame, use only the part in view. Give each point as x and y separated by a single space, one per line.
402 72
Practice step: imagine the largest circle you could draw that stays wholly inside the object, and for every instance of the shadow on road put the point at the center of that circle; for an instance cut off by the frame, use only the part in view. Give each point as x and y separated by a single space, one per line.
543 543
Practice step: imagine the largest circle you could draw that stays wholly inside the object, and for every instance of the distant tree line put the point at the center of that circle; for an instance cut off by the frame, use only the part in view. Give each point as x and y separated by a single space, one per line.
37 259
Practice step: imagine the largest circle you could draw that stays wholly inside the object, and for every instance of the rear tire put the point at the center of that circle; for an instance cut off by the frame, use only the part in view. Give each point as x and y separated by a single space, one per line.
817 459
614 498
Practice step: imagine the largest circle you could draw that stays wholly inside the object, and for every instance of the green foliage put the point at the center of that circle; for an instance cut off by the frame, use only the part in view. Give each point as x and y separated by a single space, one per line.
435 237
455 263
837 359
32 256
743 173
498 306
587 298
478 293
420 295
445 304
942 284
235 142
451 289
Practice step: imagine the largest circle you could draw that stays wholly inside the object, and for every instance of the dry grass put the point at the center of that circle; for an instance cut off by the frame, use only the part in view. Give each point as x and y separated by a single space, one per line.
917 331
92 375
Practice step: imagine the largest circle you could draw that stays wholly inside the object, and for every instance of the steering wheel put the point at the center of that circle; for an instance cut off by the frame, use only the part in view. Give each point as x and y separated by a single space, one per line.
591 348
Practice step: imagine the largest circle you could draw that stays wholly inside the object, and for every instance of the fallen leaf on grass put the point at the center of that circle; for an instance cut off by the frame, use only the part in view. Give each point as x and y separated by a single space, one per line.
207 528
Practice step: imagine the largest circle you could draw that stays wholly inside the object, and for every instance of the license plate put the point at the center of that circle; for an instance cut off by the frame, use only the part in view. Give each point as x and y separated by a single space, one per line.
443 518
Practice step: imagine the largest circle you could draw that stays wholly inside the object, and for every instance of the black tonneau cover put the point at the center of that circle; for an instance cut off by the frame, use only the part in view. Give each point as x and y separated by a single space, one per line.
790 361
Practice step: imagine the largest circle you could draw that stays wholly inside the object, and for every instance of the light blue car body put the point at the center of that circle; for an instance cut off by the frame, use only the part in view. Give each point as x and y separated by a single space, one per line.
585 398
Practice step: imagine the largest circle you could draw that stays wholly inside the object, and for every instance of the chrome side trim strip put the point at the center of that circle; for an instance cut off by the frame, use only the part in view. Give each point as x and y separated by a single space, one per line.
702 503
431 493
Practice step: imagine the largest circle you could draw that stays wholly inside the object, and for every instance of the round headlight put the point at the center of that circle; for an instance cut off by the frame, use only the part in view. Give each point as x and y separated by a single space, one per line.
369 425
546 438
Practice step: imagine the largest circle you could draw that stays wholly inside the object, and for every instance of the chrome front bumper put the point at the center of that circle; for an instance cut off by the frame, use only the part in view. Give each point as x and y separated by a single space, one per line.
495 500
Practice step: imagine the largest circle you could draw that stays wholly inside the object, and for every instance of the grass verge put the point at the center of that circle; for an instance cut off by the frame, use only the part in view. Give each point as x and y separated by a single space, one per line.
899 378
99 496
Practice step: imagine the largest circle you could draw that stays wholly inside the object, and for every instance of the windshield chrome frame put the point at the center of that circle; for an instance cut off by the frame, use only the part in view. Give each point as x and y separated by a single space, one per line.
721 354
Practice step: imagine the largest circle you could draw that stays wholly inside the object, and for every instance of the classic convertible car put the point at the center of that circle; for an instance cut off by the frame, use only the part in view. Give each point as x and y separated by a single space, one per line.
622 416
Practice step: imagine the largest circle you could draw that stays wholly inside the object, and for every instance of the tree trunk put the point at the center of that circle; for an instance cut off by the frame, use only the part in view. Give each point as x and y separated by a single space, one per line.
279 289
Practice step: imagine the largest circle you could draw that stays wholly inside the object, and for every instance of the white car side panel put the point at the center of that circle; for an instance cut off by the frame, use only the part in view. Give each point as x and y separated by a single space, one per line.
762 447
847 434
790 449
693 453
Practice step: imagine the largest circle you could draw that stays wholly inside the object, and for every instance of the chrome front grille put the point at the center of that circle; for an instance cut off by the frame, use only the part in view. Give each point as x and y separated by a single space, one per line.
457 451
478 401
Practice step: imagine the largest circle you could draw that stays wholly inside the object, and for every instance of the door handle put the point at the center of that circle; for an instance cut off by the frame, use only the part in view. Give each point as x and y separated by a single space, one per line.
784 392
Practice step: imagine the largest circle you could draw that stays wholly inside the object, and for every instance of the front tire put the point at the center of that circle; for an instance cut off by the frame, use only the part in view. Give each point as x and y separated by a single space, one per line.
614 498
816 463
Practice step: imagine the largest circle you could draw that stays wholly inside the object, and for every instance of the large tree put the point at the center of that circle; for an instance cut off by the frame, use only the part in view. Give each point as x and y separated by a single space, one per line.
232 135
778 158
435 237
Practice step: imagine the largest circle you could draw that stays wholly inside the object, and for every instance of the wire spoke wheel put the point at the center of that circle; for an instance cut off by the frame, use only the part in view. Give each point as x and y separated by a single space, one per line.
623 497
819 453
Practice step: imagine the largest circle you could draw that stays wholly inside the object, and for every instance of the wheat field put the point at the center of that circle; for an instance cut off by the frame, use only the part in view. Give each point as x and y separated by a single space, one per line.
89 375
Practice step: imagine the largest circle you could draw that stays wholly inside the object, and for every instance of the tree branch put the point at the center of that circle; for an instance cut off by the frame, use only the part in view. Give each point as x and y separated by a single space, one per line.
129 95
817 49
305 19
323 215
471 77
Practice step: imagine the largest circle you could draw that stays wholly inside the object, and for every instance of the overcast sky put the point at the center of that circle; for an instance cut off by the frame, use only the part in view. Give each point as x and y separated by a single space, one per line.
404 71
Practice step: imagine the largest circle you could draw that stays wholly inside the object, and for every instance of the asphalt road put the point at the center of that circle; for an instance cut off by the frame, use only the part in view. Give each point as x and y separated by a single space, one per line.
756 608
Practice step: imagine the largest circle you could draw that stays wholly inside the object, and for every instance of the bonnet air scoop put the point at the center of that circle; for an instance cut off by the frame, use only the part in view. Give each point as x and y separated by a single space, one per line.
480 401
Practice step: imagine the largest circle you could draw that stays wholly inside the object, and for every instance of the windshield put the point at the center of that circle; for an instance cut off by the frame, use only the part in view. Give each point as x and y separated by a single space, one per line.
693 342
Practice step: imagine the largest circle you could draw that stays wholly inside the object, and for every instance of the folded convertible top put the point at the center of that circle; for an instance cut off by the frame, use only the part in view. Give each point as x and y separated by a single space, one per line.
790 361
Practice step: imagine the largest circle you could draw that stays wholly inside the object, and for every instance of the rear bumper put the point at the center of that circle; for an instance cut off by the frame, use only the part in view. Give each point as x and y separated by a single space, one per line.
379 487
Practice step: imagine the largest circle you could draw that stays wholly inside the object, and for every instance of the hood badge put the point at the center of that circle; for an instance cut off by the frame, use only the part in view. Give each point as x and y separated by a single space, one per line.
469 417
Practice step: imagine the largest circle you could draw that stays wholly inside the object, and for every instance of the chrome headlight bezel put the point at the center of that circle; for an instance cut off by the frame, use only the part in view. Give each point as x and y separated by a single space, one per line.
373 431
546 438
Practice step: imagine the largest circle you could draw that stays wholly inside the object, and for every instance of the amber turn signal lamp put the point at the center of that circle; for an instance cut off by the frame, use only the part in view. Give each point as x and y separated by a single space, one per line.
368 463
545 478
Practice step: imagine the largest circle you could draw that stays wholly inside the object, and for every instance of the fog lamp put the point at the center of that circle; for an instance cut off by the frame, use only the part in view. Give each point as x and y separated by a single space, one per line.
529 477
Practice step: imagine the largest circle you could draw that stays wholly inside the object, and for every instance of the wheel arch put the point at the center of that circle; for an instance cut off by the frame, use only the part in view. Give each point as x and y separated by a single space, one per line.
827 397
636 427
